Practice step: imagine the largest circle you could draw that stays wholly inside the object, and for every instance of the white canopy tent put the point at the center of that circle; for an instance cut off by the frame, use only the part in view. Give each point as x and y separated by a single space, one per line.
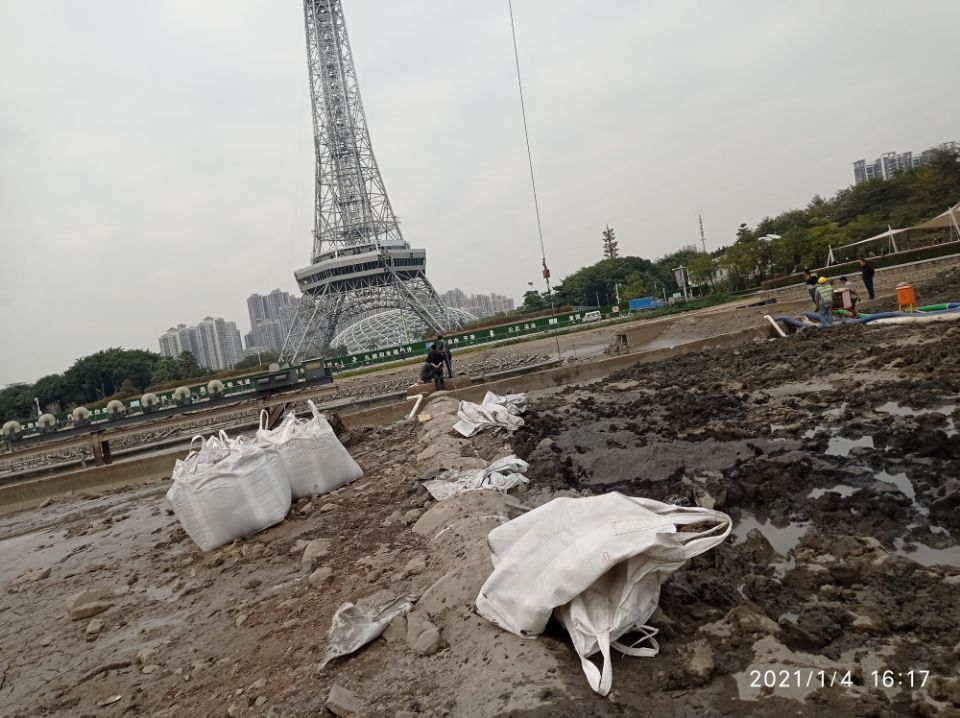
948 219
888 235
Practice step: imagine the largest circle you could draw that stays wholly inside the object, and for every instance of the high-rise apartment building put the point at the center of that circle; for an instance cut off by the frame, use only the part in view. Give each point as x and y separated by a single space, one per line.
892 163
266 318
214 343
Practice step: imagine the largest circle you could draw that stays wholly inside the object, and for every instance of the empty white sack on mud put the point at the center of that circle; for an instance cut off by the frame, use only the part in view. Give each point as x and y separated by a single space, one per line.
311 454
598 564
228 490
501 475
355 625
495 410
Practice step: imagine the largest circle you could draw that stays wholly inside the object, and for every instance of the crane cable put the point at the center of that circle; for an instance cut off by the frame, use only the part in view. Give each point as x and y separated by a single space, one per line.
533 181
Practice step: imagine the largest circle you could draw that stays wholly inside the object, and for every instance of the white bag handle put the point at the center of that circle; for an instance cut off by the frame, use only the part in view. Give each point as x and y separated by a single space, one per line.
648 635
314 409
601 681
694 544
264 419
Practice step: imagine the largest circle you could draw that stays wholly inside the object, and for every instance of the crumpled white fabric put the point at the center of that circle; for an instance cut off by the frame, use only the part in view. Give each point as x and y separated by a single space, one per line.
515 403
502 475
355 625
597 564
495 410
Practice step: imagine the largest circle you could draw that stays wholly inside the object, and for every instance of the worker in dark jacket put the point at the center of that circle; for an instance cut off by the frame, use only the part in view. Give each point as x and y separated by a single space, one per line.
444 346
433 369
810 279
867 272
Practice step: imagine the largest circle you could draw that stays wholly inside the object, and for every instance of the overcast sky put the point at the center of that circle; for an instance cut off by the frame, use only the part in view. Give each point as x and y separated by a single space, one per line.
156 157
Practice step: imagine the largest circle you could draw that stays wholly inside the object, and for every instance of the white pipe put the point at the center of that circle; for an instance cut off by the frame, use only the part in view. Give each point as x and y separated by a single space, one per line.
413 411
775 325
914 320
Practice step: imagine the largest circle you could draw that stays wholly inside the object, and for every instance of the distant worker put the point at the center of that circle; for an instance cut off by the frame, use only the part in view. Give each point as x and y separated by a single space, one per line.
825 293
444 346
866 273
434 366
810 279
850 296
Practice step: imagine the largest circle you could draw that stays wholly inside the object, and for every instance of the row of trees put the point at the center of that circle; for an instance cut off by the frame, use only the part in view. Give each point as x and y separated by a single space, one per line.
109 373
777 246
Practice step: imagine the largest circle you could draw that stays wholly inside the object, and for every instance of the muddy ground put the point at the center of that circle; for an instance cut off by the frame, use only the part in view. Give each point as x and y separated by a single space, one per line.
836 452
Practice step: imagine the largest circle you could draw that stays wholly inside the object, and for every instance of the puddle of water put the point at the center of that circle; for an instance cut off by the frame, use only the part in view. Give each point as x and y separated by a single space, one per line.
921 553
783 540
839 446
901 482
842 489
897 409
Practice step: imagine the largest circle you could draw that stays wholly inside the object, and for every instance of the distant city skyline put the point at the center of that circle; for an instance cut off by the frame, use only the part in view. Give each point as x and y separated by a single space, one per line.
891 163
479 305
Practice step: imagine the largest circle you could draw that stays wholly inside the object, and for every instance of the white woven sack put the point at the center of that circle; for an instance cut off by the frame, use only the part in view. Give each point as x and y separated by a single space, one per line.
598 562
312 456
243 493
212 450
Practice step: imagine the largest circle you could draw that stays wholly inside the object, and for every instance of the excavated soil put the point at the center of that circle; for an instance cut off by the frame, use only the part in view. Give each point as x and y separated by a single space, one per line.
836 452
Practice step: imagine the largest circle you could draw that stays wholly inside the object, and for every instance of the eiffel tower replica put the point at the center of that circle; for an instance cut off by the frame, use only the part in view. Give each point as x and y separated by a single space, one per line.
360 265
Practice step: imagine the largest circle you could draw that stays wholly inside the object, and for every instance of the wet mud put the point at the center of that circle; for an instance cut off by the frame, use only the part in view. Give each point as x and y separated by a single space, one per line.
836 453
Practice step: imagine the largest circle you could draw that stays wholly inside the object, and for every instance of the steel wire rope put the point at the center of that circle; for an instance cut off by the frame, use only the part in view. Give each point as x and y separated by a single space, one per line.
533 181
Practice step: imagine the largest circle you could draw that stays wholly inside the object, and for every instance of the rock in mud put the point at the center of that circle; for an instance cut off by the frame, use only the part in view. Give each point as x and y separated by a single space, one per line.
87 604
320 576
396 630
145 654
93 629
342 702
25 579
314 552
422 636
415 565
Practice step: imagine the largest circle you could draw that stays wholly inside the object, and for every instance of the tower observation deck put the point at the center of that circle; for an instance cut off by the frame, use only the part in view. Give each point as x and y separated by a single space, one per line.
360 264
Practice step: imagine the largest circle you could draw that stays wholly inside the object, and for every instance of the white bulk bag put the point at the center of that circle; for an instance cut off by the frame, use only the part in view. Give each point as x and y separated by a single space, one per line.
599 563
314 459
244 492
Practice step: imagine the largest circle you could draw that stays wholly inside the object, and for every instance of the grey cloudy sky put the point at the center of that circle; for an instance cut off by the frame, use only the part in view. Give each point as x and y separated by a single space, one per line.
156 157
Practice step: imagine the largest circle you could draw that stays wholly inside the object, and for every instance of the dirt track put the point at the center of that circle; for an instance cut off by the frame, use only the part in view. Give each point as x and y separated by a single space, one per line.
836 452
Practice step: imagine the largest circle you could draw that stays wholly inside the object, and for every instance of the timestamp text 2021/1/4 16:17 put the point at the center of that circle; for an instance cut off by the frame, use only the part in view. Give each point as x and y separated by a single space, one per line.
814 678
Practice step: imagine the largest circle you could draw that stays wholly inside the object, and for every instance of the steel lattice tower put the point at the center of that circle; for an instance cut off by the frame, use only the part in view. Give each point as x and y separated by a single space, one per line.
360 263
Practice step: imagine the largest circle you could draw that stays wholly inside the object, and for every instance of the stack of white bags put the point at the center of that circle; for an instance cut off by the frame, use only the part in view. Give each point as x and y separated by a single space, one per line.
231 488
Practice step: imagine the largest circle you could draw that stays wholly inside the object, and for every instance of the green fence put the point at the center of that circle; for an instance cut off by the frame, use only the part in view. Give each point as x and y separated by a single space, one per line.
460 340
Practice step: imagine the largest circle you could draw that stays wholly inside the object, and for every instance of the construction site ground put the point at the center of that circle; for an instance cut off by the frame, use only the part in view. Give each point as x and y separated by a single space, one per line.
836 453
